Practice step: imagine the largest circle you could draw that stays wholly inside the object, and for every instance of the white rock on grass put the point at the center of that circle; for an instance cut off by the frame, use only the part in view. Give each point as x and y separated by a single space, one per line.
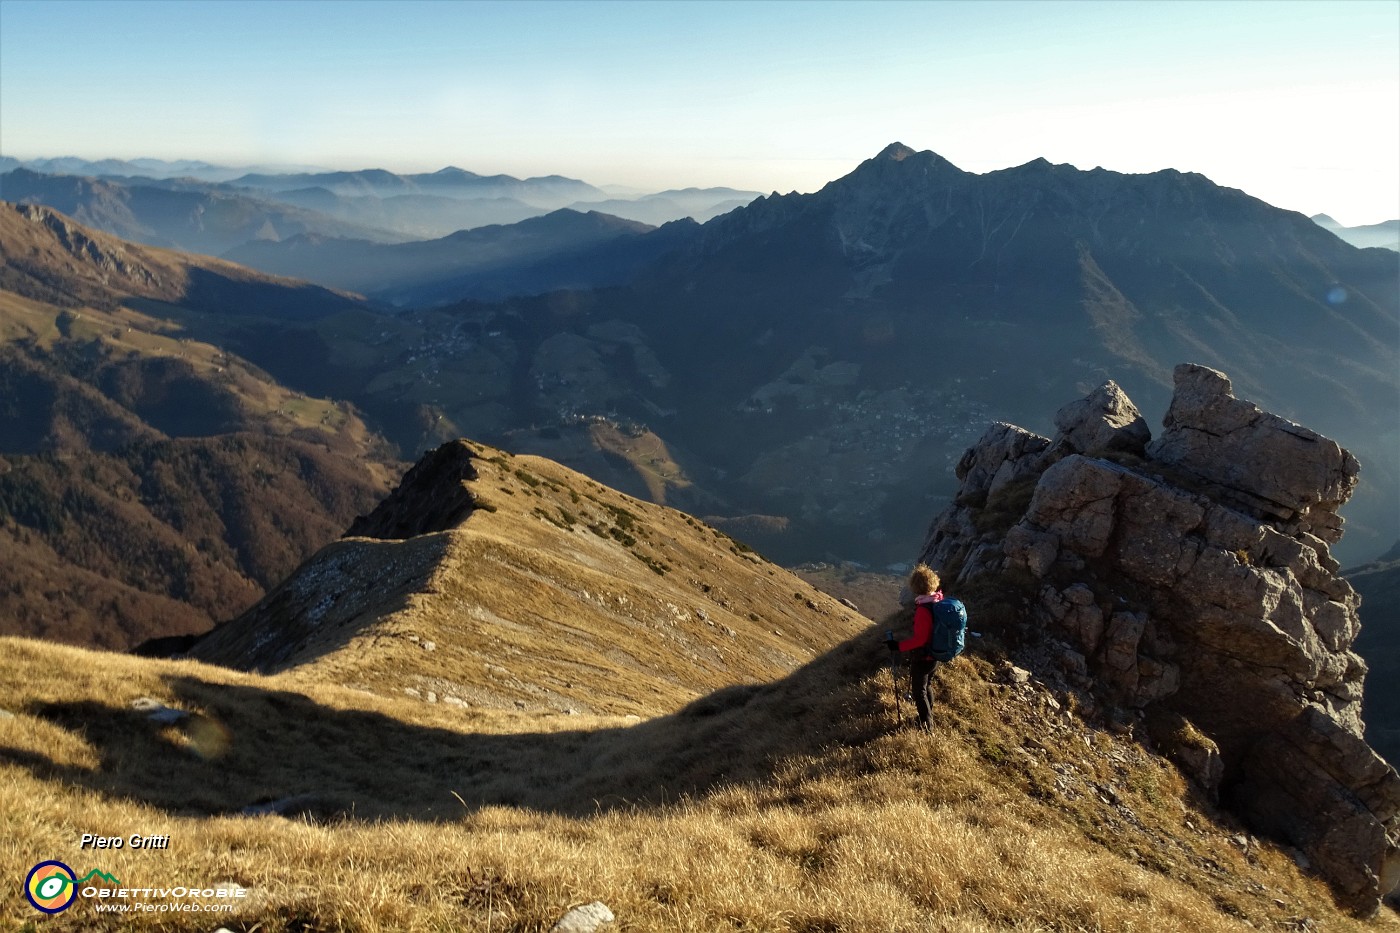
585 919
157 711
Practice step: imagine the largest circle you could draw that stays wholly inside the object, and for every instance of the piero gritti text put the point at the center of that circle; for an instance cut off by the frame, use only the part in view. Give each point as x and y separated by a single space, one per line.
134 841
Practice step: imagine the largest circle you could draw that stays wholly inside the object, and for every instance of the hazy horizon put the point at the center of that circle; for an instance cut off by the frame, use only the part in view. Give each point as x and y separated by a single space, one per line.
1297 103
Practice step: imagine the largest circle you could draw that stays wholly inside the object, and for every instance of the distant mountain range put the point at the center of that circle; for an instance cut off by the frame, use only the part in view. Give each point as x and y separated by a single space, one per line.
370 204
699 204
451 182
563 249
194 217
1385 234
146 168
813 366
816 364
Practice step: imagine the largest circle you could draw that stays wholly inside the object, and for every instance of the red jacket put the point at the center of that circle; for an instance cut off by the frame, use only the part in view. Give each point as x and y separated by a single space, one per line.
923 622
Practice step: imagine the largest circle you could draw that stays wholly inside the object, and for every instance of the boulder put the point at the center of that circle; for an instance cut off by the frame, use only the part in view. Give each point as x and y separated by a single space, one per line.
1104 421
1349 825
1192 574
584 919
1269 466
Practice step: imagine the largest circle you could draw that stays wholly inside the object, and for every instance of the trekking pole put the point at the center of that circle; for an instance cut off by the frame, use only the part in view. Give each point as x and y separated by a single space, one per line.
894 678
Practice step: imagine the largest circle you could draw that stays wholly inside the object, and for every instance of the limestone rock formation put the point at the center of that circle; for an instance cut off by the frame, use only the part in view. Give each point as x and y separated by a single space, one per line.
1194 576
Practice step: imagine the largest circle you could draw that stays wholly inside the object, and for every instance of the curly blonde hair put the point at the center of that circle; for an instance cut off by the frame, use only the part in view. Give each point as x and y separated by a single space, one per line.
923 581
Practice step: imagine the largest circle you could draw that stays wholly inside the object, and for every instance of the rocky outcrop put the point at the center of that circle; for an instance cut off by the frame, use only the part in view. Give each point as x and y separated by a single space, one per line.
1192 572
1269 466
432 497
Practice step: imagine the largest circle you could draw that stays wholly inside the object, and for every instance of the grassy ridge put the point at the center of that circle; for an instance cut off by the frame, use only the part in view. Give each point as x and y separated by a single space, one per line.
551 586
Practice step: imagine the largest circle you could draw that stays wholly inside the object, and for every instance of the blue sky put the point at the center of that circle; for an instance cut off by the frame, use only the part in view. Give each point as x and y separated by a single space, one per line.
1295 102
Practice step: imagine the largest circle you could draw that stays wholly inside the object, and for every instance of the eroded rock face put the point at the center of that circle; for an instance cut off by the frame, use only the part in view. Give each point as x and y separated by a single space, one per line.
1268 466
1193 573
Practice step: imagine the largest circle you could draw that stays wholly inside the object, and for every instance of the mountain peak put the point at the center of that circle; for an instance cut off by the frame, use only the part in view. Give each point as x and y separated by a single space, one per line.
896 152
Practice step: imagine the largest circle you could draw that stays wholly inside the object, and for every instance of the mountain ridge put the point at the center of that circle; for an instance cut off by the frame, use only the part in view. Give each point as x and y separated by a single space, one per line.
1076 276
150 479
1385 234
450 267
199 218
639 603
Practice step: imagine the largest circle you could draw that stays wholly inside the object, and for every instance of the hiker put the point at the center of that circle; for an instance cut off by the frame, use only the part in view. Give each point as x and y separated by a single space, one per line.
923 583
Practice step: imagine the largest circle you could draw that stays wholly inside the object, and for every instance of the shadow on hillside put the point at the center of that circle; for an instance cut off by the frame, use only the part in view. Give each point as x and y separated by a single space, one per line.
277 751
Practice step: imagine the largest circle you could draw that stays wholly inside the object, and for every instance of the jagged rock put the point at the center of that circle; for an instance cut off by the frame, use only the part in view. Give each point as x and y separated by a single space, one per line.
433 496
585 919
1102 422
1015 675
1004 453
1194 577
1272 467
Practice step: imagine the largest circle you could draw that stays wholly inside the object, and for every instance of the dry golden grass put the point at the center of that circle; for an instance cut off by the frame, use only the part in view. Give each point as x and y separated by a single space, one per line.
793 806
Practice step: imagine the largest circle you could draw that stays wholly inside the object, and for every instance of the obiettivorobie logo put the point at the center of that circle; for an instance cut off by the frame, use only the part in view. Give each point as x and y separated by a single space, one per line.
53 887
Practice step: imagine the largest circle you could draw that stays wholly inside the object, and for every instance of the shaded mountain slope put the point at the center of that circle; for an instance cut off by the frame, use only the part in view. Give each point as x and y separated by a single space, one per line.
162 536
46 256
563 249
151 483
1033 280
1379 643
817 357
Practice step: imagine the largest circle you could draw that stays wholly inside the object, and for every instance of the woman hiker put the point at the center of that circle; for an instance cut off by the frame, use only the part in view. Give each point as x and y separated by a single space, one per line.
923 583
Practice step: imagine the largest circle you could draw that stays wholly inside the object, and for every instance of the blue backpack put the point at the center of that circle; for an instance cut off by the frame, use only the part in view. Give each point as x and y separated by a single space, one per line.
949 629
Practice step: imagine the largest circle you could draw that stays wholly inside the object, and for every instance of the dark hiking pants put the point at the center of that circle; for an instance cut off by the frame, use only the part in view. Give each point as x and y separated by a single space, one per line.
921 684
